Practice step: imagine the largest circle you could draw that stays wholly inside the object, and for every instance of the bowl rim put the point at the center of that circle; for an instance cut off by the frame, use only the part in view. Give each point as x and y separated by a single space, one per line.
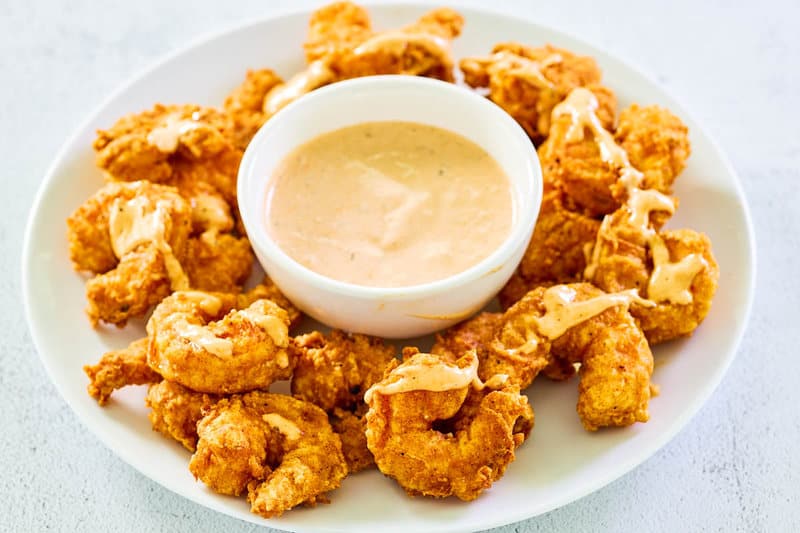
526 205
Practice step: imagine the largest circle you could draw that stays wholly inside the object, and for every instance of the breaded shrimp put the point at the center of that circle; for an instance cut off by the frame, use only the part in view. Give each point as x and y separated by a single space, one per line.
145 146
242 350
579 323
218 262
556 252
280 449
528 82
175 411
134 236
657 143
341 46
443 437
120 368
333 372
335 27
625 261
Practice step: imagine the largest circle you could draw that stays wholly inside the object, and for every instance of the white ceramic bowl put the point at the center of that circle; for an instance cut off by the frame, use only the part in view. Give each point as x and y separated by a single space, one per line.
405 311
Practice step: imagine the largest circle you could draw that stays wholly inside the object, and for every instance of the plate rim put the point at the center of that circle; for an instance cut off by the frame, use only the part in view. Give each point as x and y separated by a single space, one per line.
580 491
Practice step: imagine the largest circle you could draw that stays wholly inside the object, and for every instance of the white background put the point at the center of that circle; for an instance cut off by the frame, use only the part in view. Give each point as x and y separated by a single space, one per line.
736 67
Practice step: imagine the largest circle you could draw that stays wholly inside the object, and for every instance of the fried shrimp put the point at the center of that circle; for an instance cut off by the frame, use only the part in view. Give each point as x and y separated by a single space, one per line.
579 323
242 350
120 368
336 27
336 370
145 146
133 236
218 262
438 431
341 46
333 372
657 143
280 450
675 268
528 82
245 105
175 411
556 252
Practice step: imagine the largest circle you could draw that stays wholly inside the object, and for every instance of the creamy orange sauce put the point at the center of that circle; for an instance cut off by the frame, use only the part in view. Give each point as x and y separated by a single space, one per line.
167 135
389 204
562 312
434 375
669 281
397 42
288 428
314 76
276 328
139 221
201 337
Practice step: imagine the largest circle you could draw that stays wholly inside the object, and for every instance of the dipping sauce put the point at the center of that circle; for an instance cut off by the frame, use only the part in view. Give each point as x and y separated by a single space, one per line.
389 204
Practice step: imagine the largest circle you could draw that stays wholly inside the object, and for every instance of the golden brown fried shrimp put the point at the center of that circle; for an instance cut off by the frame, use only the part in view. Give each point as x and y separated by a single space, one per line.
333 372
218 262
134 235
120 368
139 282
575 162
146 145
480 334
579 323
175 411
626 262
335 27
342 46
528 82
242 350
280 449
657 143
428 441
336 370
245 105
557 251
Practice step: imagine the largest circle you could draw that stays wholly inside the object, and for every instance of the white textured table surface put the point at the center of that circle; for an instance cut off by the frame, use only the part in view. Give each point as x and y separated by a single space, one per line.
736 67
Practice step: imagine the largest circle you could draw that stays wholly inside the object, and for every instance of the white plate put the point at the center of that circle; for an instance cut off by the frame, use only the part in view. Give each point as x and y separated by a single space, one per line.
560 463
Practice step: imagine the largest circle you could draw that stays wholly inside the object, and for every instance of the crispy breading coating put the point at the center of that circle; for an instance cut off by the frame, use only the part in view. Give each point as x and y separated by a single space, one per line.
280 449
245 105
120 368
203 342
267 289
139 282
556 252
175 411
134 272
433 445
335 370
334 27
218 262
626 263
657 143
351 429
342 46
615 359
128 152
577 167
529 82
